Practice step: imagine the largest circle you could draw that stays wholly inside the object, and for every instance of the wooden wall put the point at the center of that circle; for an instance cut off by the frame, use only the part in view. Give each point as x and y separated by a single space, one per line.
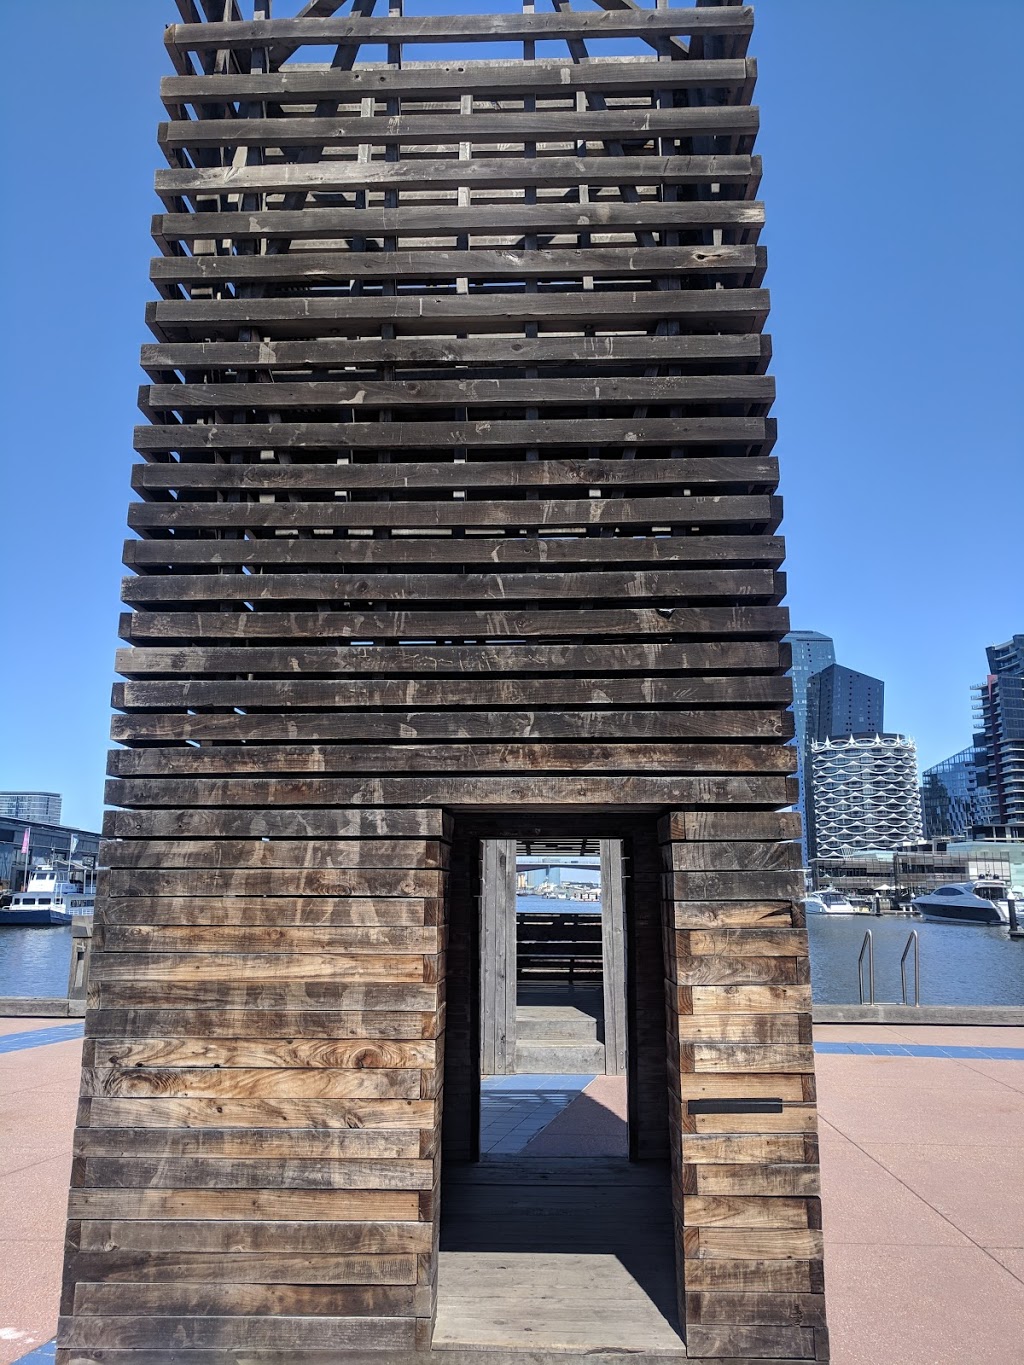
456 496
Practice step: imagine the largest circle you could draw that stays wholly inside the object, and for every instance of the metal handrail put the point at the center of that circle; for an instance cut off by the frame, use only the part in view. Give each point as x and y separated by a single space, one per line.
868 946
912 941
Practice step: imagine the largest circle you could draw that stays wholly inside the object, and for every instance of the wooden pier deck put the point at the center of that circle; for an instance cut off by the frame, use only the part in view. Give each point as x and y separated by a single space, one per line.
564 1255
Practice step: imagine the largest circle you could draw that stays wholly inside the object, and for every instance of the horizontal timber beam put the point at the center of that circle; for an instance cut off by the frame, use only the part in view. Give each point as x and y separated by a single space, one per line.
464 28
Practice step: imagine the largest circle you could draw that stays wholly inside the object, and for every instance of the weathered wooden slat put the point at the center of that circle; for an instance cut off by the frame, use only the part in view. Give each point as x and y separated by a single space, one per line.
128 1267
304 1144
238 1239
526 793
343 1205
326 881
261 852
142 628
293 966
681 389
340 176
465 28
200 1299
423 79
762 1179
753 1243
720 551
440 659
148 1025
743 354
486 125
743 431
176 1333
338 267
223 1112
325 696
335 587
412 219
255 1172
497 476
526 756
729 724
792 1277
754 941
339 910
735 310
269 994
717 970
228 939
363 1054
341 824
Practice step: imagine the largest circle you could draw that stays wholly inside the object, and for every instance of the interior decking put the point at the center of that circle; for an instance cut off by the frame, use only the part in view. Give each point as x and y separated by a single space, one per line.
573 1256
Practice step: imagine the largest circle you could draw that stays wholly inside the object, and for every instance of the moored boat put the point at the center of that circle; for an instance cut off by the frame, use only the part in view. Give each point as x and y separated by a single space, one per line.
980 902
49 898
830 903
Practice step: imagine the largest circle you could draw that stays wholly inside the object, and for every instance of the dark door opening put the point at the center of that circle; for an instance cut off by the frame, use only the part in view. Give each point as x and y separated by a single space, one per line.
556 1218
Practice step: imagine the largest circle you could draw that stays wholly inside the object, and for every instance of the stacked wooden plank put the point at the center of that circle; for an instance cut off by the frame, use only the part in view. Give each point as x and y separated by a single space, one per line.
742 1094
456 497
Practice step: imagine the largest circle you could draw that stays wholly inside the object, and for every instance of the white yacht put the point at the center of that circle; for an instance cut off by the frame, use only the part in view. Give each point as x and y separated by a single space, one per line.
830 903
49 898
980 902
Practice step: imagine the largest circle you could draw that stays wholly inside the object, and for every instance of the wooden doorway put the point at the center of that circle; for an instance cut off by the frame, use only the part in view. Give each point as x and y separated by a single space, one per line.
552 957
571 1252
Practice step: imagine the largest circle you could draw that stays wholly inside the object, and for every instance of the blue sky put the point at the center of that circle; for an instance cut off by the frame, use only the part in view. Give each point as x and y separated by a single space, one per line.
890 137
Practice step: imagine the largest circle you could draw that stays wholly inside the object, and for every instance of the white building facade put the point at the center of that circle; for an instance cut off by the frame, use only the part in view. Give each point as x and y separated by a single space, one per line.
43 807
865 794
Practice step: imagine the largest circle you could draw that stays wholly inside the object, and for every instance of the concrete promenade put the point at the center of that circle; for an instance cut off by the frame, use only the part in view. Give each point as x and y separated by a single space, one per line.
921 1138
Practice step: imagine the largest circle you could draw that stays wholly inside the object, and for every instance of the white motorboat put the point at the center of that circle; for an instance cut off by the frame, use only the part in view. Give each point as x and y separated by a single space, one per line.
49 898
831 903
980 902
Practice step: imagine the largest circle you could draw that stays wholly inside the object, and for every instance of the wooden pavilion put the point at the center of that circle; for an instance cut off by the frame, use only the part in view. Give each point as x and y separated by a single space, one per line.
455 527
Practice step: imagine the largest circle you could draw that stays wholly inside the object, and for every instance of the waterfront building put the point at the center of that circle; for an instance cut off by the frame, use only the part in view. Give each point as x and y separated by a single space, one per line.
865 793
45 841
912 872
812 652
999 712
952 803
42 806
842 702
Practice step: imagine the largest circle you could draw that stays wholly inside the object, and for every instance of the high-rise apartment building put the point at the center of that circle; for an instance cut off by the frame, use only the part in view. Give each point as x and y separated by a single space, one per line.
952 803
40 807
865 793
812 652
841 702
999 712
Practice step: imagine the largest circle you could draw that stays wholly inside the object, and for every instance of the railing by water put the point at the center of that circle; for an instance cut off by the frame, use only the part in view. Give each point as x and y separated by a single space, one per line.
866 957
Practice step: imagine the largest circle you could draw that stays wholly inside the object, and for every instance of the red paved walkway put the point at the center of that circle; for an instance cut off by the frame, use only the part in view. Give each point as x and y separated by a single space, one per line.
923 1199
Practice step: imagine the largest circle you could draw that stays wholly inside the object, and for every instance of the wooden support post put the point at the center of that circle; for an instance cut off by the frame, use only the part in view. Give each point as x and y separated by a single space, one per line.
497 956
613 957
744 1130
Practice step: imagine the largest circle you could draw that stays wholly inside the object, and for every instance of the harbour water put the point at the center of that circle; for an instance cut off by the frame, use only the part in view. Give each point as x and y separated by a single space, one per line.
35 960
960 964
